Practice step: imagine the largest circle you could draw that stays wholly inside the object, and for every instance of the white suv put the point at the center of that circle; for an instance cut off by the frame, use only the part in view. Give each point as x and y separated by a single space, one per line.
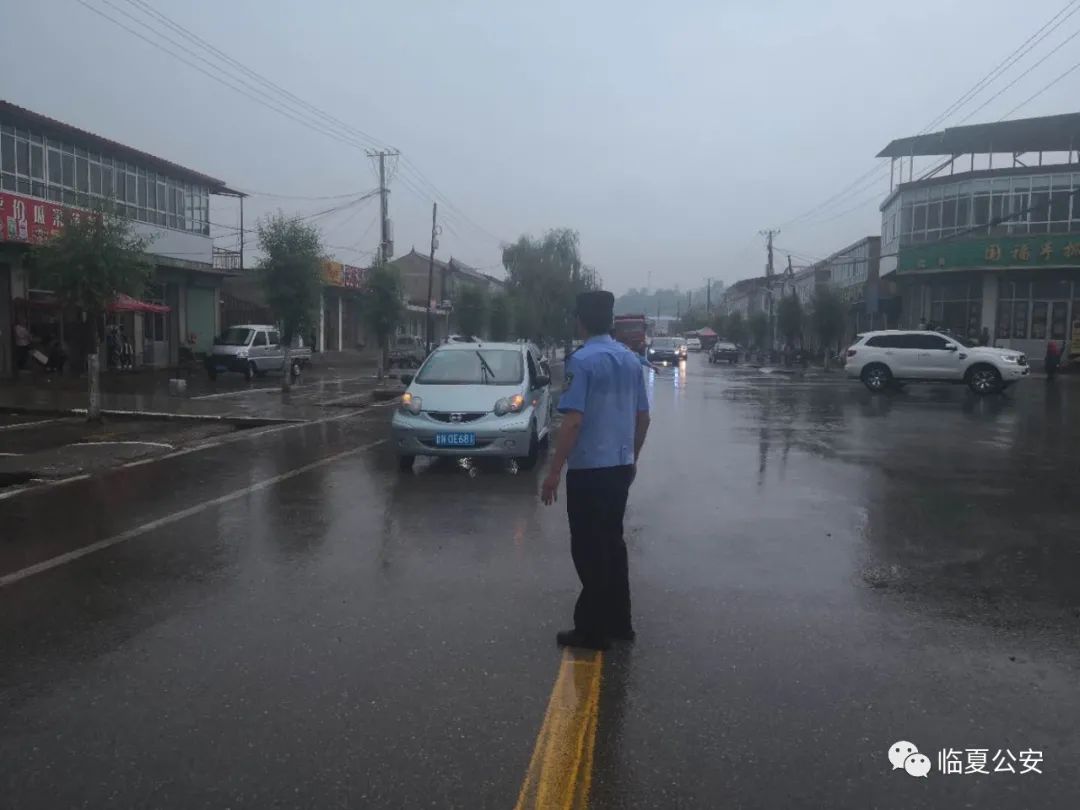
880 359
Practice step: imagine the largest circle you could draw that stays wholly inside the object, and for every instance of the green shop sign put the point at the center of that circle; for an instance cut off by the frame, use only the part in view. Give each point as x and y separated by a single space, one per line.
1012 251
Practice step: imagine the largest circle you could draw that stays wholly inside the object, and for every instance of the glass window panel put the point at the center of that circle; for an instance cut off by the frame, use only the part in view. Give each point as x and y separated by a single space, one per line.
905 220
22 157
172 200
68 196
95 178
933 215
963 212
37 188
80 152
54 193
1059 205
1019 319
22 185
82 200
7 153
948 213
1038 320
981 211
130 181
7 182
106 181
37 161
82 174
67 162
1004 320
171 220
56 176
161 196
142 191
919 212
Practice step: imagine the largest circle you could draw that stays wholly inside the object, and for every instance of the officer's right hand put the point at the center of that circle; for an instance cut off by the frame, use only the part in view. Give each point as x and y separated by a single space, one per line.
549 491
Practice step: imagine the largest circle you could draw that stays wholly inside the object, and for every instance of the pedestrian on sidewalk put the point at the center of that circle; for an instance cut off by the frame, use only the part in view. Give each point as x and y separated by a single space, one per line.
22 345
1052 360
605 418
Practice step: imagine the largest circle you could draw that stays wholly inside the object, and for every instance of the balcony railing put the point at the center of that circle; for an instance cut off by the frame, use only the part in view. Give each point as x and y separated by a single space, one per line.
227 259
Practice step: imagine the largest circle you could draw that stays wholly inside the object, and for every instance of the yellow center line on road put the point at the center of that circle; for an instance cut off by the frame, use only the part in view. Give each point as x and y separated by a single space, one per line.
560 770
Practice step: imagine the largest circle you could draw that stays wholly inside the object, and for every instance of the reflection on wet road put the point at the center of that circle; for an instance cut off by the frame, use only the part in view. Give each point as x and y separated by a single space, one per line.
816 573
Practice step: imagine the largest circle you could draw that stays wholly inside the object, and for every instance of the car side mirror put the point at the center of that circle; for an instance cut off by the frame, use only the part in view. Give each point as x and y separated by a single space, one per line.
406 379
541 380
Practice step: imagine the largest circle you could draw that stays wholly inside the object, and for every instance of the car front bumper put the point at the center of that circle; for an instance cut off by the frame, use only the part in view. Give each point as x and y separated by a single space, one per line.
666 357
226 362
500 436
1011 373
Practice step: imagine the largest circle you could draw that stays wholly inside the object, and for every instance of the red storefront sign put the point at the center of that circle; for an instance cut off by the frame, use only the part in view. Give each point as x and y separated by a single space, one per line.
27 219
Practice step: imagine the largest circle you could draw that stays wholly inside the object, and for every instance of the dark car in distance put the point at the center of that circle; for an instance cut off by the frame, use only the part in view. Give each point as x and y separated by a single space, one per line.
724 351
667 350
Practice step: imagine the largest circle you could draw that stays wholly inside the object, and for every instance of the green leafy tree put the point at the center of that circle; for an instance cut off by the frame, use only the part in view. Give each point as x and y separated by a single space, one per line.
719 324
789 318
87 264
759 329
548 274
526 317
499 317
828 317
382 307
736 328
291 276
470 310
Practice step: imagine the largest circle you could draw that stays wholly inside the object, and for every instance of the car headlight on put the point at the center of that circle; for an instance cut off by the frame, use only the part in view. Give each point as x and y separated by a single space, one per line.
1008 358
411 403
507 405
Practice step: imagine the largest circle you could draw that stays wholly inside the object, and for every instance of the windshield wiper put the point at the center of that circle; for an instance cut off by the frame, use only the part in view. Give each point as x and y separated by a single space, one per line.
485 367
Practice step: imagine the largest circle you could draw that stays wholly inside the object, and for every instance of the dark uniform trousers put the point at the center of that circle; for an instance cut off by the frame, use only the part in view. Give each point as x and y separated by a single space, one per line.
595 505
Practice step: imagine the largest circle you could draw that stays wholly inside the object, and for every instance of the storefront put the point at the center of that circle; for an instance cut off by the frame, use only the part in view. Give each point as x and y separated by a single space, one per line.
1024 292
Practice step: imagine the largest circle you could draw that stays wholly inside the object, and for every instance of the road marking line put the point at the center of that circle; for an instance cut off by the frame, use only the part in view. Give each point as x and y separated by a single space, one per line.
303 389
101 444
24 425
59 482
560 770
71 556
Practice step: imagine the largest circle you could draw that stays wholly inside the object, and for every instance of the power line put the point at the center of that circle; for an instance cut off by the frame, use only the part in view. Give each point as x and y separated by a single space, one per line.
1040 92
1012 84
333 120
1053 23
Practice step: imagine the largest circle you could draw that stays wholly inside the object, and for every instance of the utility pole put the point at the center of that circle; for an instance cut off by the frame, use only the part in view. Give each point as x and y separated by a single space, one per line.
769 234
386 238
708 296
431 273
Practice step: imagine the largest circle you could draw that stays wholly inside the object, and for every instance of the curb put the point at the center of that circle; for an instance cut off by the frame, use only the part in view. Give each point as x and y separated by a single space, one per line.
161 416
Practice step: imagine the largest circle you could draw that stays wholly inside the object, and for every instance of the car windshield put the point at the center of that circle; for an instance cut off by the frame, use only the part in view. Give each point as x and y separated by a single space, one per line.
477 367
665 343
235 336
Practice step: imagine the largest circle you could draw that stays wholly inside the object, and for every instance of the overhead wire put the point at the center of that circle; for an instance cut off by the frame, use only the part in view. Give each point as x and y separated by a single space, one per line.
420 177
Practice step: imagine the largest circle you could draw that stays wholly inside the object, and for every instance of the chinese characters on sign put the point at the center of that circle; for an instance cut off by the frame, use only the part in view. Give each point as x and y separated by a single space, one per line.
337 274
1052 250
25 219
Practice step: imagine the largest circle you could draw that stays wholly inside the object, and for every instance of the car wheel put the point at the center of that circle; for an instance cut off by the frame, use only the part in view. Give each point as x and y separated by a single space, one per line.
877 377
251 371
405 463
983 380
529 461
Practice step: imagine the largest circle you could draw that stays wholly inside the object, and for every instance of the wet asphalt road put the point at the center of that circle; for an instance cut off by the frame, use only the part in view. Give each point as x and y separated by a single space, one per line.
816 574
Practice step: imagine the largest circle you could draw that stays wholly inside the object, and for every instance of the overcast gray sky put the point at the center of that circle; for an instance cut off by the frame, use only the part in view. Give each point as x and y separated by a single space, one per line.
668 136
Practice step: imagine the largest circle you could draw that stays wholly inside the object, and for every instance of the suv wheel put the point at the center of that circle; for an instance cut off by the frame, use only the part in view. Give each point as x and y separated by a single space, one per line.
984 380
877 377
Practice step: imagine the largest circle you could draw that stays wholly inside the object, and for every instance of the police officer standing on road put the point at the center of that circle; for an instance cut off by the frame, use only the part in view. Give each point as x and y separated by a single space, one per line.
605 418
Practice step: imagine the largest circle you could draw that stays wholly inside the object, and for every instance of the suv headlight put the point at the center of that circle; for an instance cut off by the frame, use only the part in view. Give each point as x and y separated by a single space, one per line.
411 403
507 405
1008 358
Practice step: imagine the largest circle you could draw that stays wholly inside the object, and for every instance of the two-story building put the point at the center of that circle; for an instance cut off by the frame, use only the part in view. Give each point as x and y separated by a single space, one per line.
990 237
51 171
853 273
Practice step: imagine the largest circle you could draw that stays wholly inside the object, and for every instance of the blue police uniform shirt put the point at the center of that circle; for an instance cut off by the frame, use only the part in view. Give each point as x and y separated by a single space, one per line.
604 383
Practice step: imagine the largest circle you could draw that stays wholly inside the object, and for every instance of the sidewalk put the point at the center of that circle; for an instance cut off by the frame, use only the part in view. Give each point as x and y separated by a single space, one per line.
332 378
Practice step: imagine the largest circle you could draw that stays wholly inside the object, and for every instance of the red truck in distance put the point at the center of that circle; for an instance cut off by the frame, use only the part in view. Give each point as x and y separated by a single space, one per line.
630 330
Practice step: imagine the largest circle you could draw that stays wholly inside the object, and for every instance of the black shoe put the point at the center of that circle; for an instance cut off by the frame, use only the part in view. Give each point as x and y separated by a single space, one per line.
623 635
587 641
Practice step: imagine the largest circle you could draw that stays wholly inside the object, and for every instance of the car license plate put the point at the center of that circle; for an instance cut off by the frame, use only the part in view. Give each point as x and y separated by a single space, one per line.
455 439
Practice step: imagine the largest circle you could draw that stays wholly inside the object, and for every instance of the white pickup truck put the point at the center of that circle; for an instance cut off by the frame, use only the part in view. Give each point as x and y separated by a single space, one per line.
253 350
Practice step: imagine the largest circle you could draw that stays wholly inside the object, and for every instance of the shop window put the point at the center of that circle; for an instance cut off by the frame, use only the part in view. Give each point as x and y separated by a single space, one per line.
1059 326
1050 290
1038 320
1019 319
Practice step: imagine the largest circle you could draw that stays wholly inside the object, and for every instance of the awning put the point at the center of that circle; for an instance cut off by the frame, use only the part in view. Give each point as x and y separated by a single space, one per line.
706 332
125 303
